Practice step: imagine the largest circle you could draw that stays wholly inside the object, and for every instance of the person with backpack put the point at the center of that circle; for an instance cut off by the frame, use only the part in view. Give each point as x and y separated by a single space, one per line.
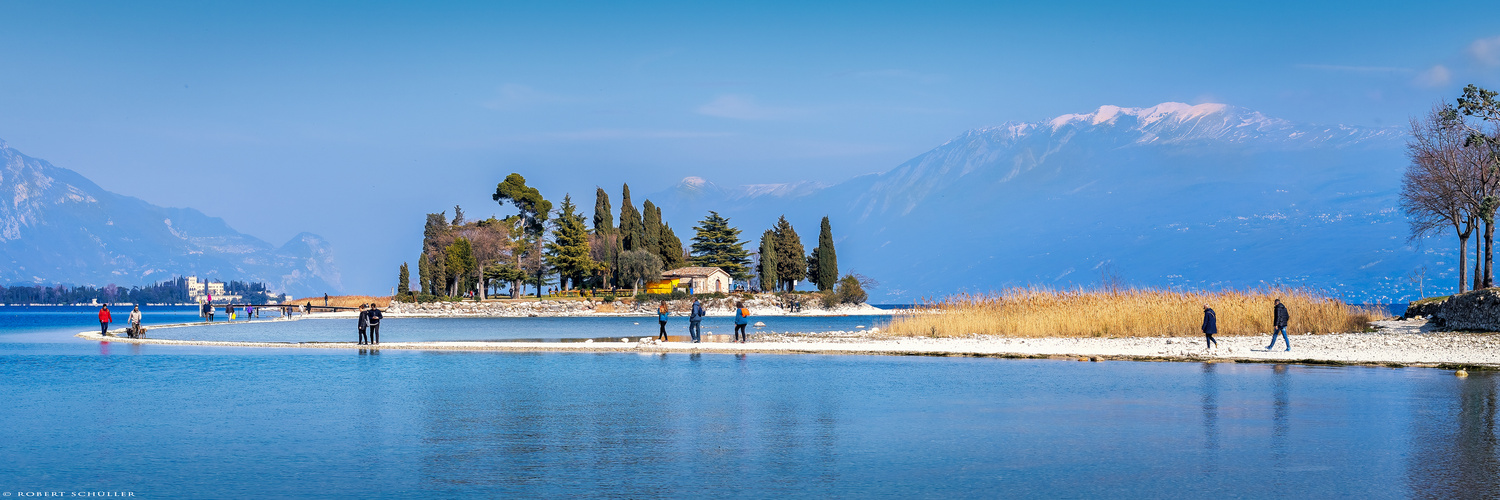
661 318
375 324
1279 319
135 323
1210 327
741 318
695 321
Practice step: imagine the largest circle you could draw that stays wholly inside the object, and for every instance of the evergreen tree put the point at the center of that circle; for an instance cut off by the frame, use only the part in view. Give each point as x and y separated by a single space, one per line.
604 217
434 231
461 267
823 265
606 235
458 216
718 244
534 211
791 265
424 274
767 269
631 232
569 251
403 284
650 228
671 249
439 274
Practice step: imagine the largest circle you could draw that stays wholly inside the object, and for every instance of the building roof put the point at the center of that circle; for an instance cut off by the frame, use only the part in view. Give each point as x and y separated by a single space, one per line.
692 272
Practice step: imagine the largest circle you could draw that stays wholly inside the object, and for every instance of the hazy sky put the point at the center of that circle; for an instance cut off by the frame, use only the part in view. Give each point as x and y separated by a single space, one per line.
351 120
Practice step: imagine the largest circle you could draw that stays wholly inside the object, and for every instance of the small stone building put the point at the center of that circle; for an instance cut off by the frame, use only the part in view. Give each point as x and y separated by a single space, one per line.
700 279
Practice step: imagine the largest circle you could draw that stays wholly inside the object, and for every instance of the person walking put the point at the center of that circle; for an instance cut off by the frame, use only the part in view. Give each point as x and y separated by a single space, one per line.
1279 321
229 310
1210 327
661 319
375 317
325 300
741 318
364 323
135 323
249 312
695 321
211 312
104 320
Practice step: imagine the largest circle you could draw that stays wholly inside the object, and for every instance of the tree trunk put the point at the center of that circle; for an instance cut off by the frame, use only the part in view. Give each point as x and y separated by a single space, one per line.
483 283
1463 254
1489 254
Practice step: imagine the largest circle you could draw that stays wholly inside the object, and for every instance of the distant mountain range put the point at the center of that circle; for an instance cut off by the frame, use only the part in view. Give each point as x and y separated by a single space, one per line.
58 227
1204 196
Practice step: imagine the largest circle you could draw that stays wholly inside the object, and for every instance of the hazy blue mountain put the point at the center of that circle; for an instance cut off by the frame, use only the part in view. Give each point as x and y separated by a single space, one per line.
1172 195
58 227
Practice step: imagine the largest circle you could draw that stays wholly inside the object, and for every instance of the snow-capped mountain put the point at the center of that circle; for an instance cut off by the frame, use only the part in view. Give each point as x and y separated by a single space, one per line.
58 227
1170 195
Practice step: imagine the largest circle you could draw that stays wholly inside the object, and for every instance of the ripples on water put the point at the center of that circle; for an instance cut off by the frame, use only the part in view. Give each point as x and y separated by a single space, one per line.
164 421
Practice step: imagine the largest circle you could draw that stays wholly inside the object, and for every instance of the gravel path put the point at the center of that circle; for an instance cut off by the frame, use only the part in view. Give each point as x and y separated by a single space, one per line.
1394 343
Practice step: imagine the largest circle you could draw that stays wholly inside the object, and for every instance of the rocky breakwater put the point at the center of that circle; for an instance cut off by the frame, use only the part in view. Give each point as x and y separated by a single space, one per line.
759 305
1473 311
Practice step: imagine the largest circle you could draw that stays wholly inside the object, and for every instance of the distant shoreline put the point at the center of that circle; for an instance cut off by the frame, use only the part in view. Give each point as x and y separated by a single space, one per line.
1397 344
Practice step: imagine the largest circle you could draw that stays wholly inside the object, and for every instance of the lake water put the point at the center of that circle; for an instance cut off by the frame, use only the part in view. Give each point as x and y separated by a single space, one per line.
203 422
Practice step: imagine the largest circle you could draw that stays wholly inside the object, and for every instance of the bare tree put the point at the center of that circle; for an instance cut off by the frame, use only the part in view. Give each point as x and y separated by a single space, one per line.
1445 186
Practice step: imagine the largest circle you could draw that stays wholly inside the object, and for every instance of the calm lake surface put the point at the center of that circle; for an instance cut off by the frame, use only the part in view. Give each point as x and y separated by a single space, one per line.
165 421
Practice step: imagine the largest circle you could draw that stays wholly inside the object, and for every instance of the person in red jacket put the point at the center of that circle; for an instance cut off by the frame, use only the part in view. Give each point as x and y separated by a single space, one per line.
104 320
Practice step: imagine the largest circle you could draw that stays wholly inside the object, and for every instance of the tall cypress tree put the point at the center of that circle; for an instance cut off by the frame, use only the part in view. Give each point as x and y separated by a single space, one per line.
650 228
767 269
791 264
823 267
671 249
630 224
604 225
439 274
718 244
424 273
403 283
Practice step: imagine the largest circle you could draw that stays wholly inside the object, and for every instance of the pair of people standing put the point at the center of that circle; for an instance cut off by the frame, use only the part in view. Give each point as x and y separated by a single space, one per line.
369 319
1279 319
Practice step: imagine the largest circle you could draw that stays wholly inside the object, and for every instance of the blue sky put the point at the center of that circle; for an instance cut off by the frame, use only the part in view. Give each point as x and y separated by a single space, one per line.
371 114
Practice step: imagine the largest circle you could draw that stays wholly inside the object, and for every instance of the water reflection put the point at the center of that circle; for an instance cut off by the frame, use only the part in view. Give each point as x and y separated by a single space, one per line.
1280 408
1454 439
1210 418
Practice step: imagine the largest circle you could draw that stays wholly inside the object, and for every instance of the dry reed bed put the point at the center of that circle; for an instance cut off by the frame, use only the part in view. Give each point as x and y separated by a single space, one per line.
1127 313
346 300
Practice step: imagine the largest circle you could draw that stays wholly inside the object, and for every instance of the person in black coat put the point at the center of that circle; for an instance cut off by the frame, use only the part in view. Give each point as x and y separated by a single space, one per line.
1280 318
374 321
1210 327
364 323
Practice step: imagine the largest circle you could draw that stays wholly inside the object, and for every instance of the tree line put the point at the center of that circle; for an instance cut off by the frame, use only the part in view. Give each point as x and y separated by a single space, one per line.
1452 182
173 291
541 246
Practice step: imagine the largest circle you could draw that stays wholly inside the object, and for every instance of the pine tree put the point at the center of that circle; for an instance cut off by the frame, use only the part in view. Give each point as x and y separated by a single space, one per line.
823 266
767 269
791 265
718 244
568 252
671 249
403 284
650 228
534 211
458 216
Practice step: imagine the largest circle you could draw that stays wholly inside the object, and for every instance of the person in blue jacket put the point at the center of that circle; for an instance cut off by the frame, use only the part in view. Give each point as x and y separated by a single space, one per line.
741 318
1210 327
661 317
695 320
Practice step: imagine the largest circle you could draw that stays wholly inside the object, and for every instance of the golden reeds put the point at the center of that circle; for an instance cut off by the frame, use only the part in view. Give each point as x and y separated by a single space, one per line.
346 300
1032 312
